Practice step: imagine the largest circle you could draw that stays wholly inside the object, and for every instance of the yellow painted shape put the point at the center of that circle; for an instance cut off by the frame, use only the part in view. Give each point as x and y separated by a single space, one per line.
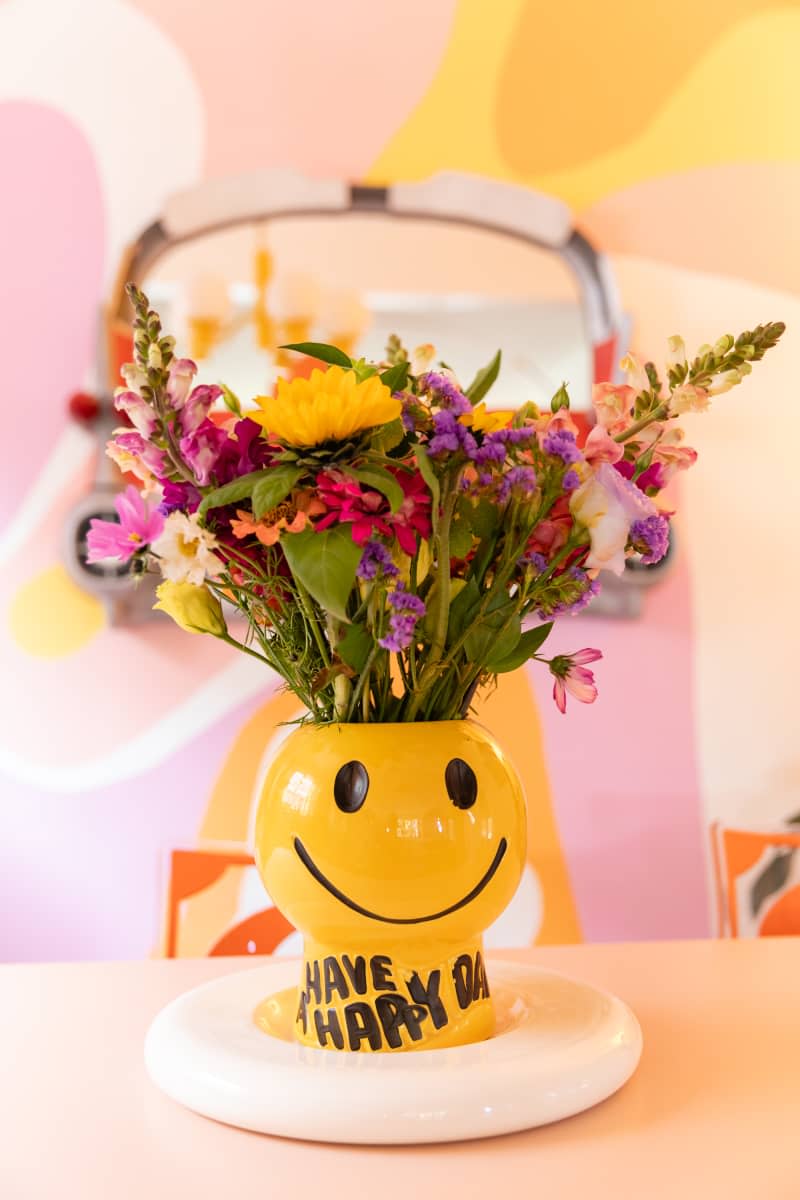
737 103
51 617
510 712
396 846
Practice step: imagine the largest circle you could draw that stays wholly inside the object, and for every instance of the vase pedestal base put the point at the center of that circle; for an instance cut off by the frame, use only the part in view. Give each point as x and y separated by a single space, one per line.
561 1046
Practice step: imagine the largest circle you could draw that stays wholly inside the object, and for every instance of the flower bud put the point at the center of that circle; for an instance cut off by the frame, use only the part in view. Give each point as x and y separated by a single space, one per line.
724 344
677 352
192 607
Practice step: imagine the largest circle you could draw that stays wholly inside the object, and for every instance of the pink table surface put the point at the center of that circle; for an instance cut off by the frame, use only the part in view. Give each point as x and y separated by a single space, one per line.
713 1111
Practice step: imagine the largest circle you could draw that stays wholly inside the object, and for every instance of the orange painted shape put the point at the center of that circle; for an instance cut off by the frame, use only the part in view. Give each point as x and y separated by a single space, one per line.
742 849
510 712
259 934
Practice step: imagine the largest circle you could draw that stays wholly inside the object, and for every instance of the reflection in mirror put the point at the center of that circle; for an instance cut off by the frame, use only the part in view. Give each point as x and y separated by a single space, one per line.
233 297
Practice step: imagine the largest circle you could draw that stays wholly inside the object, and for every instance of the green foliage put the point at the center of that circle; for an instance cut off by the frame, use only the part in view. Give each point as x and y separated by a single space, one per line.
325 562
355 647
233 492
484 379
528 644
322 351
273 487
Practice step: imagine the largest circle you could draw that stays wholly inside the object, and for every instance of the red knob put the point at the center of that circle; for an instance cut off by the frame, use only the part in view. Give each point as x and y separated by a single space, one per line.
83 406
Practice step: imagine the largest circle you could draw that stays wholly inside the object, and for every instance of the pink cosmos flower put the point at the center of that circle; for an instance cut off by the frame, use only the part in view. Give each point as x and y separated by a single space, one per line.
571 676
369 510
139 524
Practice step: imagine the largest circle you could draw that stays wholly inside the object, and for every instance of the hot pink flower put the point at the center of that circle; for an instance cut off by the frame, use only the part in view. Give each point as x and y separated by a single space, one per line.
139 524
197 405
369 510
129 444
202 447
571 676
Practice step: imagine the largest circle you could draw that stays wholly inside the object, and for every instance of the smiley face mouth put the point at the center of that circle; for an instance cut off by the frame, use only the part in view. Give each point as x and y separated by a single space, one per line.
313 870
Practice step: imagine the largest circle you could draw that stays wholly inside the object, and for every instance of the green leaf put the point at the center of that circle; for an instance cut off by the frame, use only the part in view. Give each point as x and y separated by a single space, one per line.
396 377
387 437
461 609
485 518
427 472
230 493
496 634
355 646
560 399
460 539
325 562
484 379
526 647
382 481
274 487
322 351
232 401
364 369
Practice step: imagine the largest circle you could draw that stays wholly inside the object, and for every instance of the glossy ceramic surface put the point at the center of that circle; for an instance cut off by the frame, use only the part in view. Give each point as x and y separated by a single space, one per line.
391 848
560 1047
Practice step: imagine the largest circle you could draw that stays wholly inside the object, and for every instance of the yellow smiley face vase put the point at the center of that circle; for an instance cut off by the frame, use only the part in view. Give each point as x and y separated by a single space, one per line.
391 848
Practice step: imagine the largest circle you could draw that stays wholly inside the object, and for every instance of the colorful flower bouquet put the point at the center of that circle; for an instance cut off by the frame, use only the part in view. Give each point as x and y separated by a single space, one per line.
392 544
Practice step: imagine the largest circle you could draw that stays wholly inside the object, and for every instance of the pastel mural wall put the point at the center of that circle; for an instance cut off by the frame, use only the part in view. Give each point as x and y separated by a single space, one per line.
120 745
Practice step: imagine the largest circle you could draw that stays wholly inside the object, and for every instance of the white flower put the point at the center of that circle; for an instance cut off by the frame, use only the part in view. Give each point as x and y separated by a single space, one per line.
688 398
607 505
635 374
677 352
186 550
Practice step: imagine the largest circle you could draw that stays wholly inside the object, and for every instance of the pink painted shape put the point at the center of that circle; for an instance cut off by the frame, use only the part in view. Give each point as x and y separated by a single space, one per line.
321 87
623 773
51 250
130 678
670 219
84 876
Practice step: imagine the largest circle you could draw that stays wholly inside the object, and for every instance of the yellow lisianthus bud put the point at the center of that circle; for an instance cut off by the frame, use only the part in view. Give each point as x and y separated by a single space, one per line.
192 607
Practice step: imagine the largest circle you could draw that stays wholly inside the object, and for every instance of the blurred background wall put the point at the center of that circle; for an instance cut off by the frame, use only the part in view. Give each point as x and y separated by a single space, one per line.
673 134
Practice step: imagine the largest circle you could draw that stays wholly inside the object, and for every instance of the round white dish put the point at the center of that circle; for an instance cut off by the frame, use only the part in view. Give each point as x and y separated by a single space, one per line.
561 1047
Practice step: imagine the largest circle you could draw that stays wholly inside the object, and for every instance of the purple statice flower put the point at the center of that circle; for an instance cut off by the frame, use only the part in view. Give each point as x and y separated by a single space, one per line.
493 449
571 481
588 589
202 448
374 559
562 444
179 497
519 479
445 392
650 537
407 610
536 560
139 524
450 436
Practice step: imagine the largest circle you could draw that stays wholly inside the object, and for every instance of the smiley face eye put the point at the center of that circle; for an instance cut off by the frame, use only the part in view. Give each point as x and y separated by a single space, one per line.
350 786
462 786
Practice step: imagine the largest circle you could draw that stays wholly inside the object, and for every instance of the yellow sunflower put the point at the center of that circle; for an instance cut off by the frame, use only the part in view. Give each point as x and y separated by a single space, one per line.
487 420
329 406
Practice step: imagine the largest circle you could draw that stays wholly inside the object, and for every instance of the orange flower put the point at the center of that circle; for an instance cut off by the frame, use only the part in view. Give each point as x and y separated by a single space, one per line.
291 515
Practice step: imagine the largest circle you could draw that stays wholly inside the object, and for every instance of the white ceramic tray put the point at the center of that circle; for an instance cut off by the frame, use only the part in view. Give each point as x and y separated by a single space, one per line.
561 1047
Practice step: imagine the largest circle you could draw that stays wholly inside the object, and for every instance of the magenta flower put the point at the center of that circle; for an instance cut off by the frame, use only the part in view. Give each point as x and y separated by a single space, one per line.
197 406
139 524
571 676
135 446
369 511
201 448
